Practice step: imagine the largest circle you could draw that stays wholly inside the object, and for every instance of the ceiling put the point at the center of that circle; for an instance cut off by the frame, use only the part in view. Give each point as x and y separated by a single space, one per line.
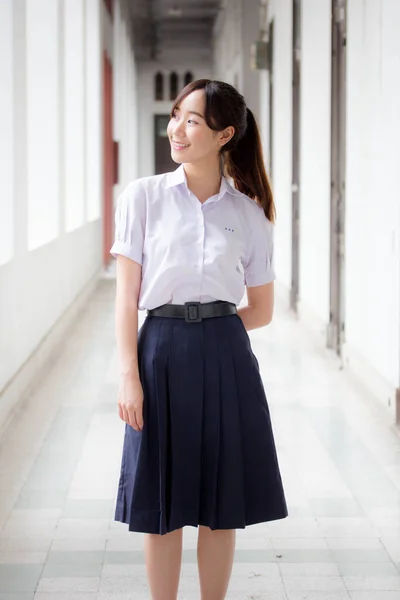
164 25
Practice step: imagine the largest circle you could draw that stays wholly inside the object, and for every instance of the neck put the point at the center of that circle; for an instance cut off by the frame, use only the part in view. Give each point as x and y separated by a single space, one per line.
203 179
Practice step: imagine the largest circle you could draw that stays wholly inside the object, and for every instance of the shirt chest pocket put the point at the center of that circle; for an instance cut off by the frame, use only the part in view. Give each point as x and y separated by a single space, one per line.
224 245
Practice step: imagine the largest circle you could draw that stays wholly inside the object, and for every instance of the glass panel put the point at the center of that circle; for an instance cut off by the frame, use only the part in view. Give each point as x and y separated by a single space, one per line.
173 86
188 78
159 85
161 126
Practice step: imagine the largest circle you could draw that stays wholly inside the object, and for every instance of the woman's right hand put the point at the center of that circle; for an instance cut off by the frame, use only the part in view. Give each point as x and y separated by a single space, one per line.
130 402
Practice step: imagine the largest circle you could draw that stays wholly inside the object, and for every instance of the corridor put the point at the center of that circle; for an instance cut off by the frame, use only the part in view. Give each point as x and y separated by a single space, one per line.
87 88
339 453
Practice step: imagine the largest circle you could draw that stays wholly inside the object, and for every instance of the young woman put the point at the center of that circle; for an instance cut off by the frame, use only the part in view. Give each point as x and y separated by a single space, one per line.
198 448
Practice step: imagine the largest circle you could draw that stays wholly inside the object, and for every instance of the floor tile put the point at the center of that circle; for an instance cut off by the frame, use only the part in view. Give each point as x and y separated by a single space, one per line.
66 596
88 509
22 558
17 596
317 584
335 507
373 569
312 595
309 570
69 584
19 578
381 595
364 556
366 583
59 557
72 569
303 556
339 464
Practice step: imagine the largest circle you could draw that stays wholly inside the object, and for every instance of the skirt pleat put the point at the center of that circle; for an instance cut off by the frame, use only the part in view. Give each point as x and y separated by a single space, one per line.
206 455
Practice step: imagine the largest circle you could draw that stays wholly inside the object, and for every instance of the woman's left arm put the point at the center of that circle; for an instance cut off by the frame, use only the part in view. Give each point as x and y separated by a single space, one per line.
260 306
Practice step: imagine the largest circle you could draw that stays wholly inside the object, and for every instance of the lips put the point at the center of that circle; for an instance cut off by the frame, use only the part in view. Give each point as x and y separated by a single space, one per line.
179 146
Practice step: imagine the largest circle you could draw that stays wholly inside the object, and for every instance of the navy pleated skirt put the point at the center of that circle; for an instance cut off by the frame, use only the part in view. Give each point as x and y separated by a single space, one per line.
206 454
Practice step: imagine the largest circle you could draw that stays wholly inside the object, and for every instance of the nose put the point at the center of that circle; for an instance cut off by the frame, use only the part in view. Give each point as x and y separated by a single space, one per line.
178 129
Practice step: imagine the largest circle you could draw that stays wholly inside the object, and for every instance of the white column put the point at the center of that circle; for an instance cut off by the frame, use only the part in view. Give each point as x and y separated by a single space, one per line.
7 133
74 113
94 125
42 62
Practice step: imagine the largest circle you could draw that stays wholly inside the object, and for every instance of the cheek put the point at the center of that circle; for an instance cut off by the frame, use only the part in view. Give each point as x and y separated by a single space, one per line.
199 137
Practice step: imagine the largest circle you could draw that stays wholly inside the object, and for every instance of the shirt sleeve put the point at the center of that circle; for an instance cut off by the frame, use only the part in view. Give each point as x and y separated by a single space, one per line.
130 223
259 264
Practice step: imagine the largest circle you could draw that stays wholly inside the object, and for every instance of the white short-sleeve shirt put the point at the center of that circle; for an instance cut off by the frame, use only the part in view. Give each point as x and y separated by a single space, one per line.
189 251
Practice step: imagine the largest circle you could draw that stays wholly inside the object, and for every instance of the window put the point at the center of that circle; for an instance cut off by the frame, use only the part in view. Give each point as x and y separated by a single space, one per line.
188 78
173 86
159 86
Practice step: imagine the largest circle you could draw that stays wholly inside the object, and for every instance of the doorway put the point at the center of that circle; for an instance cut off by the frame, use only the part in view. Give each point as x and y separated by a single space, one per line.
163 160
296 76
336 327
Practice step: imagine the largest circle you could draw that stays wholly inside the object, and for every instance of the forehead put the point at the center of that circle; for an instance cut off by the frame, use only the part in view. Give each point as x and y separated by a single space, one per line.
194 101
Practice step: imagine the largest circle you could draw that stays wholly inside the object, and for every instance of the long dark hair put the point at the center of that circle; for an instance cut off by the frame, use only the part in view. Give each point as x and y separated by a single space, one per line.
243 155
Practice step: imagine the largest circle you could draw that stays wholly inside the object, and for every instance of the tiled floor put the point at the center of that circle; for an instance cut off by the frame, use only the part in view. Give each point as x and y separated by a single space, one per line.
339 455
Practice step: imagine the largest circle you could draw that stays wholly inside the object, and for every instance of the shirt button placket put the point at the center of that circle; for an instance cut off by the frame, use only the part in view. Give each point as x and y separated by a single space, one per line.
200 240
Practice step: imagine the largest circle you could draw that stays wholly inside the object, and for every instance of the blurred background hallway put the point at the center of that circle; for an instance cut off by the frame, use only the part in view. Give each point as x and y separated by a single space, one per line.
86 89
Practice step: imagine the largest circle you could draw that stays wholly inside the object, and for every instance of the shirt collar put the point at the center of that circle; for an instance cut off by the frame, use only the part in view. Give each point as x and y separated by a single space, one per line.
178 177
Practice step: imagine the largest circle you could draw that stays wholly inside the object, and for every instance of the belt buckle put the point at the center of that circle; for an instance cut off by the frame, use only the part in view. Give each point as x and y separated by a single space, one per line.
193 312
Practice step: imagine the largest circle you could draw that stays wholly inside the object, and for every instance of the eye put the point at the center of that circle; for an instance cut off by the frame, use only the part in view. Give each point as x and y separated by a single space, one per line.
192 121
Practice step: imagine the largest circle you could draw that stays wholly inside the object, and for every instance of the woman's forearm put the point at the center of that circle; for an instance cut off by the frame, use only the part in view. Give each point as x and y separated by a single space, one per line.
253 318
126 320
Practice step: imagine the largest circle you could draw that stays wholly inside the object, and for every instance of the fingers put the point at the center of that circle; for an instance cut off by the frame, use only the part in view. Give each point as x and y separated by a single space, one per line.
139 419
134 422
133 418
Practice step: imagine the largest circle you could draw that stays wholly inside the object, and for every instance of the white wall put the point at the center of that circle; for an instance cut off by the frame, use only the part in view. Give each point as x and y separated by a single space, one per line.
47 268
7 133
372 261
53 104
236 28
74 113
228 45
43 134
372 196
125 112
93 112
281 13
148 107
315 164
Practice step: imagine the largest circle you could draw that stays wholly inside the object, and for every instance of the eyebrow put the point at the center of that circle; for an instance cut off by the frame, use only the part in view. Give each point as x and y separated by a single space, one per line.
192 112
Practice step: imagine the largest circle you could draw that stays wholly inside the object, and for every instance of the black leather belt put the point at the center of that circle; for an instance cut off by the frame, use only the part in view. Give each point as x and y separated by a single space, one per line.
194 312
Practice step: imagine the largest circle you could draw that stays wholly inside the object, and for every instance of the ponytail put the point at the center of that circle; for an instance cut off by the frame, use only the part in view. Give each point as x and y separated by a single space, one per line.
242 154
245 164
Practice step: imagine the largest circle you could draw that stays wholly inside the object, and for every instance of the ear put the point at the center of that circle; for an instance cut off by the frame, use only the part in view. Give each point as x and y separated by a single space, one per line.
226 135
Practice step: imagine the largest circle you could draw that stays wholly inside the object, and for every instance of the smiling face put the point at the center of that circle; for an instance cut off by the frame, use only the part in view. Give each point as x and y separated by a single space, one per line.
192 140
